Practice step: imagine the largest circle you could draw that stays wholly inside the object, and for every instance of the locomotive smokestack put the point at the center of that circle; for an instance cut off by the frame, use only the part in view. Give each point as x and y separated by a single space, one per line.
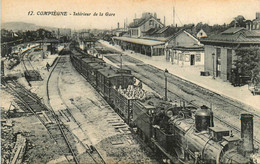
247 133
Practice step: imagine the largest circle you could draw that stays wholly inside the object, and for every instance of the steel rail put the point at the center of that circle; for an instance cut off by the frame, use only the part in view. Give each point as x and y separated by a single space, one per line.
32 111
88 147
56 117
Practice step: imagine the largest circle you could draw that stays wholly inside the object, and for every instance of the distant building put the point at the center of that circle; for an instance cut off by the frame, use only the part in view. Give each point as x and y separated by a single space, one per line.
254 24
201 34
42 33
83 35
64 32
120 31
138 37
141 25
220 49
184 49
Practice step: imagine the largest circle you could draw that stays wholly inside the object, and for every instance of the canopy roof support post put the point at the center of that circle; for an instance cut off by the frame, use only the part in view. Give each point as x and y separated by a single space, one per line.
151 50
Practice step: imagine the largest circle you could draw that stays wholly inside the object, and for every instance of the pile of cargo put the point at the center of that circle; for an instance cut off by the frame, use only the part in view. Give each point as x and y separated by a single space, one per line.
133 92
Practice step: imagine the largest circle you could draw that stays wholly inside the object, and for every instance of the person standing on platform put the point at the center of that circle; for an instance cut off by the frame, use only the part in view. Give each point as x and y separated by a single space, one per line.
48 66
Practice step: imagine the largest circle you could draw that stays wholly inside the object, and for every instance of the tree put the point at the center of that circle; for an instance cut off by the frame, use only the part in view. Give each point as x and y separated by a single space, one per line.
248 63
238 21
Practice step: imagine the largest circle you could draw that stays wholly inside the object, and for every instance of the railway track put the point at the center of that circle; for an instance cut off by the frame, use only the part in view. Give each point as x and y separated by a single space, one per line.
49 120
225 110
90 150
31 74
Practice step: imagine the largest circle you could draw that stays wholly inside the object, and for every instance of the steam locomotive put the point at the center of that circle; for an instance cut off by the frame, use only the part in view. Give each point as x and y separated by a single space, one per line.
180 133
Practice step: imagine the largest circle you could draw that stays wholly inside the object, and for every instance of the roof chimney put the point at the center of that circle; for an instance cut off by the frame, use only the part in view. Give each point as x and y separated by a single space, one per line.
173 13
258 15
117 24
155 15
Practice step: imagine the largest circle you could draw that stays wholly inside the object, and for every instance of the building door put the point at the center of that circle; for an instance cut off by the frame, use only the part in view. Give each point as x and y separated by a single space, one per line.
229 65
192 59
218 62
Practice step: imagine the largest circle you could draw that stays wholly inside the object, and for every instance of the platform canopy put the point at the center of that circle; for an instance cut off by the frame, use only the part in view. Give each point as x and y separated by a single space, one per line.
146 42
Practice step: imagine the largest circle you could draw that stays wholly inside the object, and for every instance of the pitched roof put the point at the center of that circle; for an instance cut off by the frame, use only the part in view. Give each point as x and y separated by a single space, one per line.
151 31
233 30
235 35
182 30
141 21
162 29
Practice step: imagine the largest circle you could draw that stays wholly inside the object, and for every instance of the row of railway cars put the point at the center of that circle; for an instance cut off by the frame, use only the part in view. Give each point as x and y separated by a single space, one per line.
177 132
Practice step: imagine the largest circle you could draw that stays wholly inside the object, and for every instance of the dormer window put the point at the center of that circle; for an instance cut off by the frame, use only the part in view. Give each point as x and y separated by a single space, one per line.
151 23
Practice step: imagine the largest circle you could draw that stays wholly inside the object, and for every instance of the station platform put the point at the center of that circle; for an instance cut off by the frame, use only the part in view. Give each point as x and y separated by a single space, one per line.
192 73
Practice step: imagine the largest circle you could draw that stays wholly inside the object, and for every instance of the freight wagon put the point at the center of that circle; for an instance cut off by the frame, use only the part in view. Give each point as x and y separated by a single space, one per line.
180 133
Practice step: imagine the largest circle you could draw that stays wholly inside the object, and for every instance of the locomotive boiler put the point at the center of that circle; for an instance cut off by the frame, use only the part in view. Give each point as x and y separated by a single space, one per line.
195 139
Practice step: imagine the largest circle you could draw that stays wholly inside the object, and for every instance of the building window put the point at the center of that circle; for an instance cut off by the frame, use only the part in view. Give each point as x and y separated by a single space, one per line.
187 58
218 57
135 32
198 57
151 23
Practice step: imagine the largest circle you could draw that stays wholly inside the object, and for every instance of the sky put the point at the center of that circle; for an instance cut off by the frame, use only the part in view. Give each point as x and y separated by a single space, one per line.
186 11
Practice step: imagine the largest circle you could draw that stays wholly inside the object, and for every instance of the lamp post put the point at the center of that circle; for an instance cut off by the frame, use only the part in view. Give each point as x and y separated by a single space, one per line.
165 75
213 59
102 53
121 61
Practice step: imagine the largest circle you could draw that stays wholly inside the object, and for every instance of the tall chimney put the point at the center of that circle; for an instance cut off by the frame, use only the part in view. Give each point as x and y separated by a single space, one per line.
257 15
164 21
247 133
155 15
117 24
173 13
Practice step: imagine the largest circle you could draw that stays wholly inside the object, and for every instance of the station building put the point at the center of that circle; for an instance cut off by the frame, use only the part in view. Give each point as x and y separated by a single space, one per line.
136 40
220 50
141 25
148 36
184 49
